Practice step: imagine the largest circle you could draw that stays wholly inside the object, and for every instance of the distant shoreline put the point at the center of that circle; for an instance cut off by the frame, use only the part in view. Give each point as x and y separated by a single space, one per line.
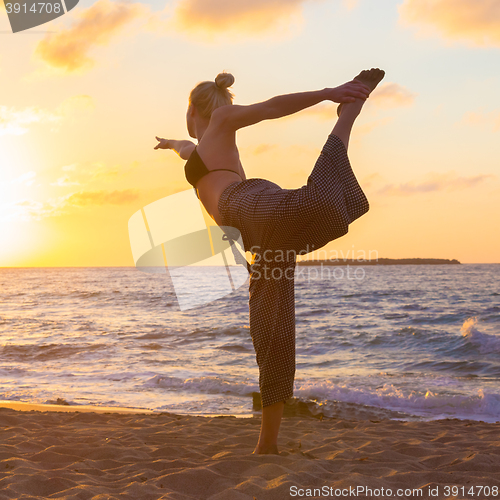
377 262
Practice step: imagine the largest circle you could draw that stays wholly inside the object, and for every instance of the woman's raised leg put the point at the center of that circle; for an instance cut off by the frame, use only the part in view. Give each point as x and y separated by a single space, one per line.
322 210
350 111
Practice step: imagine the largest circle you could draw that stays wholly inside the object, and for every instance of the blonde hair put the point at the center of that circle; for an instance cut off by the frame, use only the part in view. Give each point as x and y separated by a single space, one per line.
207 96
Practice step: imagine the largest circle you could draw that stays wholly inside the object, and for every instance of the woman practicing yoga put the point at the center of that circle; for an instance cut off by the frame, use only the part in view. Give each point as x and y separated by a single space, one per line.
275 224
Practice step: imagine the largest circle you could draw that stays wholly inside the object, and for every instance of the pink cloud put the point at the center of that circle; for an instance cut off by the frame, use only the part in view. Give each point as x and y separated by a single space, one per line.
435 182
474 21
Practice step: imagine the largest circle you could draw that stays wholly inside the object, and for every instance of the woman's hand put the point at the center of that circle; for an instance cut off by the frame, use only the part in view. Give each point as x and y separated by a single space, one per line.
163 144
349 92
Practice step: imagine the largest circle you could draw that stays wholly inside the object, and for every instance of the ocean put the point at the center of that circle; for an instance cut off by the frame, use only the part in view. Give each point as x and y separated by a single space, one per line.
409 342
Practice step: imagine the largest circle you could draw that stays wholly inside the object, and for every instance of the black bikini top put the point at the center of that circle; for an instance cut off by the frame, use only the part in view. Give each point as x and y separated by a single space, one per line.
195 169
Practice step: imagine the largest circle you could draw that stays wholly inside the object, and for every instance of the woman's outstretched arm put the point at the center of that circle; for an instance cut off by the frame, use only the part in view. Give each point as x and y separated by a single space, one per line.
234 117
182 148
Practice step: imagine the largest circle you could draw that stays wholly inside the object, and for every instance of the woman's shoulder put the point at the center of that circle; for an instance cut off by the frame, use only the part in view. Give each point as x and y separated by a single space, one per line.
223 112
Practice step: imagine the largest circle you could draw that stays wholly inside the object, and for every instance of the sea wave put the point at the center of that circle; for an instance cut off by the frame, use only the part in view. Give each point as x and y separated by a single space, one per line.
45 352
207 384
486 343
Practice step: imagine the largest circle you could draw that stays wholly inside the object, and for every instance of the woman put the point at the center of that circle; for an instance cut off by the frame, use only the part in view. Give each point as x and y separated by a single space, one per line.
275 224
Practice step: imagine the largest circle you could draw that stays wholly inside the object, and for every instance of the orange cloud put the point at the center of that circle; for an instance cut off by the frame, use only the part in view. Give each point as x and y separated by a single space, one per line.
88 173
255 16
67 50
436 182
29 209
85 198
392 95
474 21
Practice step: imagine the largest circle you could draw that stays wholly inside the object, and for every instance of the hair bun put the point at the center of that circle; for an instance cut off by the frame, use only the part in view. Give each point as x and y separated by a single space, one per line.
224 80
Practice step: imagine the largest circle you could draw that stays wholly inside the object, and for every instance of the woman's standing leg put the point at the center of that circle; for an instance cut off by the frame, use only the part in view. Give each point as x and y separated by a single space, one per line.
272 326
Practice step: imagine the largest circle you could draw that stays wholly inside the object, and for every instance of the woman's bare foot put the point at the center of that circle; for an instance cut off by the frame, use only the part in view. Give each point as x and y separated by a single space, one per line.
350 110
267 450
369 77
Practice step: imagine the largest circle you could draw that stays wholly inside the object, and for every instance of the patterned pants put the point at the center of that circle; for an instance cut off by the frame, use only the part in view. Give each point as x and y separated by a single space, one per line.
276 225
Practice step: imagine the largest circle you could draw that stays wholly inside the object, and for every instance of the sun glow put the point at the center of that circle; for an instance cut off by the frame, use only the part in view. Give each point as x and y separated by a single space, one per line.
10 243
14 181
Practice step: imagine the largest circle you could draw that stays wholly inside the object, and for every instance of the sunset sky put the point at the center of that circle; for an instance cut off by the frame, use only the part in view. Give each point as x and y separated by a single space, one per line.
83 97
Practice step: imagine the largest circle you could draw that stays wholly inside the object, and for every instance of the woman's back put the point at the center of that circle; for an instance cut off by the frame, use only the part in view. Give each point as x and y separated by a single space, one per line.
218 151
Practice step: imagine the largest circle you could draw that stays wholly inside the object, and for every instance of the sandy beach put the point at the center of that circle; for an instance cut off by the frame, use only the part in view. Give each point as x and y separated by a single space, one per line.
104 454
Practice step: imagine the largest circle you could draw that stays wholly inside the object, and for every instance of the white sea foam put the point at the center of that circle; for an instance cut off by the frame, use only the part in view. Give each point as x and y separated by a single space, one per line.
480 405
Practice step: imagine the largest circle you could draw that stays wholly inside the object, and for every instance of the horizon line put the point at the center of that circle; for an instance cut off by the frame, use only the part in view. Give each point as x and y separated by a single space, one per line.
99 267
